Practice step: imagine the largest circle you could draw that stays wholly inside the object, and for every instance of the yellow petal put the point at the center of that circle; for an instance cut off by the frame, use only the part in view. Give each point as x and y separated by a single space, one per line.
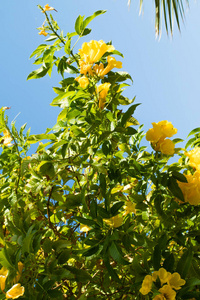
15 292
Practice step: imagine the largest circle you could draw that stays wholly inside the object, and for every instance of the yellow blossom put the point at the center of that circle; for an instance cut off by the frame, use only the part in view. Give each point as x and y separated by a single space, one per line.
175 281
47 8
146 285
84 228
157 136
3 276
15 292
43 32
19 272
160 130
129 208
112 63
7 138
91 52
194 158
115 221
162 274
102 91
167 293
83 81
191 188
85 68
98 69
154 134
167 147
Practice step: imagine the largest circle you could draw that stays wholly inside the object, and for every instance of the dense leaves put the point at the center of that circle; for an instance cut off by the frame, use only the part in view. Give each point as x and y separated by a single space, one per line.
94 211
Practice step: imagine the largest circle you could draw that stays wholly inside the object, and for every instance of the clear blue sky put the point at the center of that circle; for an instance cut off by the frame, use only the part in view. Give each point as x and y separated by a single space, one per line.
166 73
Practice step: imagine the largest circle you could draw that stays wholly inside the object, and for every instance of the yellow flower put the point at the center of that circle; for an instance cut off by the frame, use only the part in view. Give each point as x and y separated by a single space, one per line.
91 52
154 134
194 158
175 281
159 297
43 32
7 138
47 8
157 136
112 63
162 274
146 285
191 188
3 276
129 208
15 292
102 91
167 293
115 221
85 68
84 228
160 130
167 128
167 147
98 69
83 81
19 273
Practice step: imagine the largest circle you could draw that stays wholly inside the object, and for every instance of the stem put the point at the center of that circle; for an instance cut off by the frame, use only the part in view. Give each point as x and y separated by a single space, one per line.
19 157
50 25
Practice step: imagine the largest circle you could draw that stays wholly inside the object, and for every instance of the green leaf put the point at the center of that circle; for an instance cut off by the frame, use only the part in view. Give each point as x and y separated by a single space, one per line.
179 176
5 259
80 274
78 24
67 47
128 114
116 254
175 189
168 263
106 148
194 131
84 221
156 258
91 251
39 50
60 244
90 18
184 263
102 184
86 31
190 142
41 72
115 208
47 168
111 271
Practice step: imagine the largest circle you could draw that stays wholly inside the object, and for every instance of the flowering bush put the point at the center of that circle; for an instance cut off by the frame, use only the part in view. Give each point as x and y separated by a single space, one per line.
95 214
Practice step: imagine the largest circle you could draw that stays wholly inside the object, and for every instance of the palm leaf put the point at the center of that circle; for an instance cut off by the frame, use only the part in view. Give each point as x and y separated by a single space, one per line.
171 9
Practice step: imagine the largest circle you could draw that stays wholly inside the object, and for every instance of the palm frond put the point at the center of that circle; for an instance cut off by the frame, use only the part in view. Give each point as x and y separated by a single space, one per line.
172 9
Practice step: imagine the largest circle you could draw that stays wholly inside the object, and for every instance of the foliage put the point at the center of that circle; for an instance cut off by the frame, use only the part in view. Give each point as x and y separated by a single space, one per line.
94 214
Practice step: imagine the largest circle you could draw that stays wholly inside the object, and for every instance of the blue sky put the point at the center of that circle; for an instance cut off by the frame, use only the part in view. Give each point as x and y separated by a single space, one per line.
166 72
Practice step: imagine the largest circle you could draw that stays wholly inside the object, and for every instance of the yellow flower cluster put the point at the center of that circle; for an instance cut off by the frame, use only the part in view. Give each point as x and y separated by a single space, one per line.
102 91
7 138
194 158
91 53
158 134
16 290
43 32
115 221
47 8
169 283
191 188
